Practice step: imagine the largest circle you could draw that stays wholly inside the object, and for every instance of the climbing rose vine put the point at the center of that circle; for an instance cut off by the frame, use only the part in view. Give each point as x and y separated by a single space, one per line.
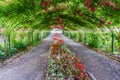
88 3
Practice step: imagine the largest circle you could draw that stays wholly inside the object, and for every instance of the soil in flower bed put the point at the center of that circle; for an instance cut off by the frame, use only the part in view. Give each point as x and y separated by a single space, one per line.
63 65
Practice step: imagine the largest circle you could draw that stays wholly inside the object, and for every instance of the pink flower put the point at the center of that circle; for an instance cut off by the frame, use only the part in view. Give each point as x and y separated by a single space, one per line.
101 4
73 67
1 30
108 22
101 24
45 3
108 2
65 7
60 21
68 79
81 14
46 9
101 18
88 3
115 7
92 9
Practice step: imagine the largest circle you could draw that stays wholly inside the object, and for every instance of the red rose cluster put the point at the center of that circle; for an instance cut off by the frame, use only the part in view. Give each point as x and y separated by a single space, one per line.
57 38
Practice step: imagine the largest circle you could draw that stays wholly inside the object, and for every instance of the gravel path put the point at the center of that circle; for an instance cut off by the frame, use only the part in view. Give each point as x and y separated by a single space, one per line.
30 66
98 66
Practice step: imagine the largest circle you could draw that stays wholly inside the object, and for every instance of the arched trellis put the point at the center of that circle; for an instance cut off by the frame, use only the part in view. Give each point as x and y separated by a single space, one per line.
77 21
13 28
9 32
80 22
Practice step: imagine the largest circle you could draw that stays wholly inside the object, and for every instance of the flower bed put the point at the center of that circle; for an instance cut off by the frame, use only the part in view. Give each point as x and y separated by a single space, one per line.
63 65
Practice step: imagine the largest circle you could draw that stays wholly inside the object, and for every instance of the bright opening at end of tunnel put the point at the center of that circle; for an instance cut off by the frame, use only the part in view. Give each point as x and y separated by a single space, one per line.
56 30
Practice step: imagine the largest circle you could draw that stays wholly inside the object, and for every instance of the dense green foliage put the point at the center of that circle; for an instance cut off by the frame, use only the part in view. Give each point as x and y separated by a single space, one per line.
96 38
44 12
20 40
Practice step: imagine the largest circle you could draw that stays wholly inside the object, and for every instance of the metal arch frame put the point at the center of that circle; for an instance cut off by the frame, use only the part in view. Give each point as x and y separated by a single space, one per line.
9 32
113 36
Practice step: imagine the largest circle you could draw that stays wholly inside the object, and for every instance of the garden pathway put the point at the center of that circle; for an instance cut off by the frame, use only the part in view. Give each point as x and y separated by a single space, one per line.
30 66
98 66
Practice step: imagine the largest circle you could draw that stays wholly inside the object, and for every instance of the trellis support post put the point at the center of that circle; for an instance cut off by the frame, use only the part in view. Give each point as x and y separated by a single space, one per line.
84 37
112 44
9 38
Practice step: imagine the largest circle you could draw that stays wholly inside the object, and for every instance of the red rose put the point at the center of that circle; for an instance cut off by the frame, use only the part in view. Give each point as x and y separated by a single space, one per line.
92 9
